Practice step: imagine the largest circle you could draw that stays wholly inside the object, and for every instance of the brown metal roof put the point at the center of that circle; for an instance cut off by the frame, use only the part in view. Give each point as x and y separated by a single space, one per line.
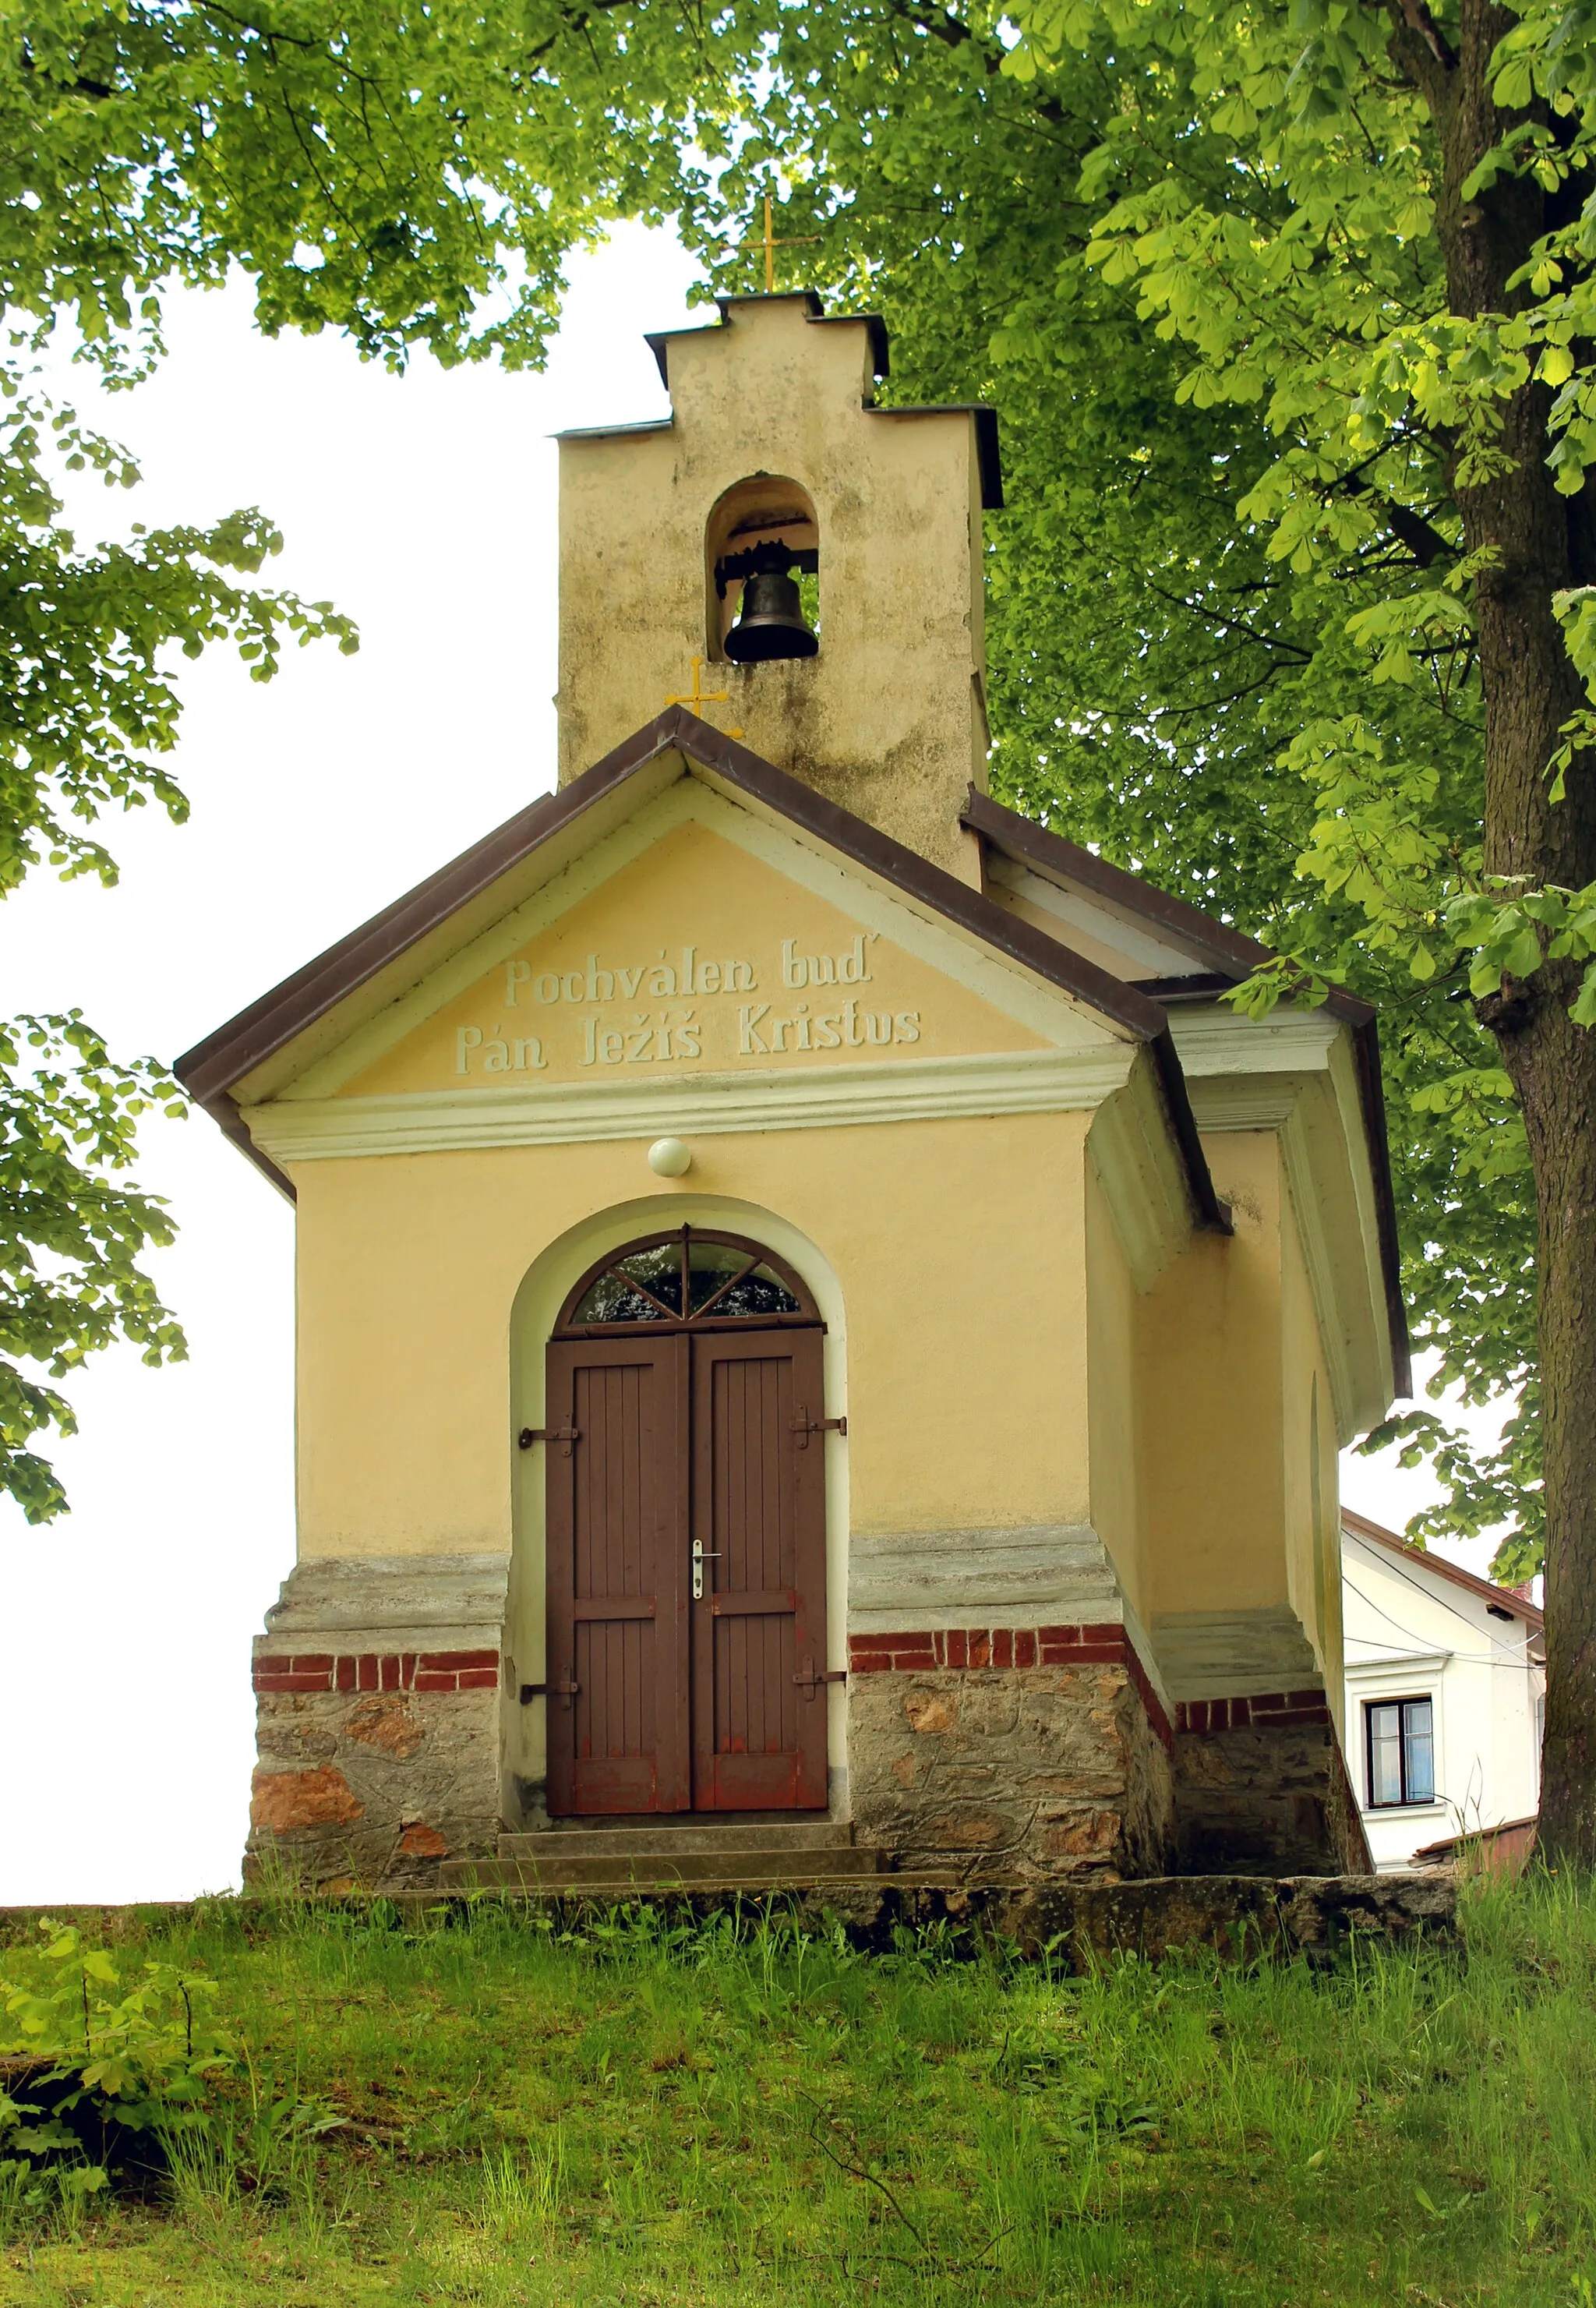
211 1068
1229 957
1503 1597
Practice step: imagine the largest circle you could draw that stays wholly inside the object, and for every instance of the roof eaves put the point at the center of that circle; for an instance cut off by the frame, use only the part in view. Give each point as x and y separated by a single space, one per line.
1226 951
1230 955
610 432
1361 1527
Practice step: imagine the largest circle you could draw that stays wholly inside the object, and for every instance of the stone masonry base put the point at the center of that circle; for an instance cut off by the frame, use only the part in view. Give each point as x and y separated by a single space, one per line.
989 1756
1011 1755
1260 1785
372 1767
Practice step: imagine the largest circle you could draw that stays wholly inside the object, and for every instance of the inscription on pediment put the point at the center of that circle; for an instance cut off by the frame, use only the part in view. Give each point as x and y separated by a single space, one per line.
693 958
700 1006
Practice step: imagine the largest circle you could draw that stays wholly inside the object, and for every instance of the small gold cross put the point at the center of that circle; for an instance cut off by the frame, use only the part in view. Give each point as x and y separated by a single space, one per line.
701 697
768 242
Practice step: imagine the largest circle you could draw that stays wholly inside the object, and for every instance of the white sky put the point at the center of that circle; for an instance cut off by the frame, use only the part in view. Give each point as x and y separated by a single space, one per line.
425 508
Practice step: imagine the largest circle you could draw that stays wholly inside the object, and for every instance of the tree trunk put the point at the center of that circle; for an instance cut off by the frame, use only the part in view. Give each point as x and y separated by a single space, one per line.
1553 1065
1540 544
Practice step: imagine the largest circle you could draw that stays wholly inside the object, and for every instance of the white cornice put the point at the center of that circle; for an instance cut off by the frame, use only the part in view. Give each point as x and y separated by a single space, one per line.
1390 1668
1233 1654
908 1089
1221 1040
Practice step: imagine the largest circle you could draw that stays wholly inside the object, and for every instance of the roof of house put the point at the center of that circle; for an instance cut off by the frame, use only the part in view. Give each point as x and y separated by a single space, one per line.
212 1066
1503 1598
1227 957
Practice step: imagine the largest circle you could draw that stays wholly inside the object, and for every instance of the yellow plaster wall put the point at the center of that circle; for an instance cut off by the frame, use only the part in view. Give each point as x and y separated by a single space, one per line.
1210 1448
888 719
602 994
1312 1542
1114 1387
952 1241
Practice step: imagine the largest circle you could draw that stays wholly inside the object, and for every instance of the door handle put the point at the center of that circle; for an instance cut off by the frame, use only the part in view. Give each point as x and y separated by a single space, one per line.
700 1555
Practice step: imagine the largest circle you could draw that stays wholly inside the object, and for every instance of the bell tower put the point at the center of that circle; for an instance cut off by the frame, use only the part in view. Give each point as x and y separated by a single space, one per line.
821 556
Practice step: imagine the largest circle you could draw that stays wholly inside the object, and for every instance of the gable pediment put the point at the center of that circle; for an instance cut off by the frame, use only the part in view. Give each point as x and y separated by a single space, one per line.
683 915
704 949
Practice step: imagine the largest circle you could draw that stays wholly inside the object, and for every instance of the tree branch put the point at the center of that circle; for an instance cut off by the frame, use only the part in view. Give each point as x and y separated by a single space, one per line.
942 24
1421 49
1427 545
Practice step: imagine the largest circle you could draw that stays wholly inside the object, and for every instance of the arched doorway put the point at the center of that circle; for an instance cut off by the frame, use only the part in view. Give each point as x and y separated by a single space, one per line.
686 1534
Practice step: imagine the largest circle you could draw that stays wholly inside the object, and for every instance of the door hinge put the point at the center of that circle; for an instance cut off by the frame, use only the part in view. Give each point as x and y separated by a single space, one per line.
565 1435
563 1690
803 1425
808 1679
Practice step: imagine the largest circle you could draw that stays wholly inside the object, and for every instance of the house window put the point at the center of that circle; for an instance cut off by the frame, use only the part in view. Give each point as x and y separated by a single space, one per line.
1400 1737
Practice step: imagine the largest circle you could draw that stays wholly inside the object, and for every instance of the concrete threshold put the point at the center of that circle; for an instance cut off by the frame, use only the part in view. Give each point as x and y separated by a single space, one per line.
567 1869
554 1846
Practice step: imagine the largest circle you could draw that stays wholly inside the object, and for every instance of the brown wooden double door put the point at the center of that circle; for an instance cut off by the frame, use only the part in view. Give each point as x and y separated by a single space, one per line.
693 1466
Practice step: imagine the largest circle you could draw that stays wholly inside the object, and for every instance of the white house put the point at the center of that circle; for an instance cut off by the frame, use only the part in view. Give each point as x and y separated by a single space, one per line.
1445 1691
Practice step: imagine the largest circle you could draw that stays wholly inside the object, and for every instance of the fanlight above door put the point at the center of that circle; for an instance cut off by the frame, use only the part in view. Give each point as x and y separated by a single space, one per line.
690 1280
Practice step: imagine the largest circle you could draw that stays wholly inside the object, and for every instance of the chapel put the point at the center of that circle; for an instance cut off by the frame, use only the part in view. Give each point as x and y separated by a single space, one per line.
823 1337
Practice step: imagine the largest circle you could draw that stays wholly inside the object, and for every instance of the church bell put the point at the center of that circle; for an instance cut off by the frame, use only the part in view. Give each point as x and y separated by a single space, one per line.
770 620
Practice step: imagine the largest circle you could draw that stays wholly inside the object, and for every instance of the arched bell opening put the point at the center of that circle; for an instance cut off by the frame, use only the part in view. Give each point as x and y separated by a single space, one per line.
761 568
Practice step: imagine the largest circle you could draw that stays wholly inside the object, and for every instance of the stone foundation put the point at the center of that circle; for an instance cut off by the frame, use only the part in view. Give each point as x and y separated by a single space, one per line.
1019 1754
1261 1787
378 1721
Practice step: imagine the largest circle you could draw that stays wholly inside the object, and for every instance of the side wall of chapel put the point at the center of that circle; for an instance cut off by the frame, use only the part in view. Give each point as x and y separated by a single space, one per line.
1245 1613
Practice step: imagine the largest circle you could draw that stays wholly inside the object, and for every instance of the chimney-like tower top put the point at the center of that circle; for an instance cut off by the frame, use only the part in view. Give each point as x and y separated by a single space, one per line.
775 434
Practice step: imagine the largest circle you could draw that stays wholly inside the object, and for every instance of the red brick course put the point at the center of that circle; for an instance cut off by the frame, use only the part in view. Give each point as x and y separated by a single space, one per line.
1272 1710
377 1671
982 1649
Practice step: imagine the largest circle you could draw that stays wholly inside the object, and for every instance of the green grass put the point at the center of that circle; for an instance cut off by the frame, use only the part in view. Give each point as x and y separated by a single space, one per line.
639 2113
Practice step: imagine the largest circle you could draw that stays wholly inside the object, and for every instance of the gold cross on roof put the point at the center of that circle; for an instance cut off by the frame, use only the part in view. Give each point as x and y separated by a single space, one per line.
769 242
701 697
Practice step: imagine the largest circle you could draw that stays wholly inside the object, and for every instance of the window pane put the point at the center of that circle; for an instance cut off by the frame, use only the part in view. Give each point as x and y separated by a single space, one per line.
1385 1755
612 1299
1419 1742
709 1264
658 1269
745 1290
760 1292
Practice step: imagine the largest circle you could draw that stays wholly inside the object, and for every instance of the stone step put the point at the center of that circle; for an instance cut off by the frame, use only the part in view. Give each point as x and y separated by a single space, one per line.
652 1870
462 1875
554 1845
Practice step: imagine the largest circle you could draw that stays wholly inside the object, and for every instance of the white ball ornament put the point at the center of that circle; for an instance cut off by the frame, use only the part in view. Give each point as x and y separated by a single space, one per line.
668 1157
